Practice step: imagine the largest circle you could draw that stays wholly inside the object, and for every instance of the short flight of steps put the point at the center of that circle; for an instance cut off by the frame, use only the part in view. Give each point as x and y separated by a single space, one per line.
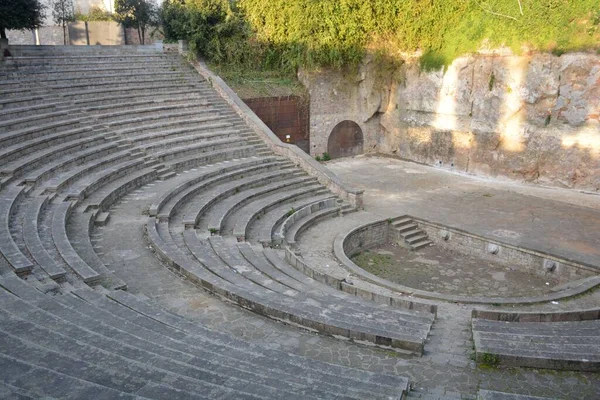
567 340
85 344
412 236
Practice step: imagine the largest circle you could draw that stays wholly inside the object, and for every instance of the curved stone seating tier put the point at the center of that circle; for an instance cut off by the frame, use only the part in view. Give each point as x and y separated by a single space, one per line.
32 119
171 200
67 162
9 249
67 178
37 131
28 111
245 215
69 79
386 327
288 186
80 338
227 185
195 160
300 220
34 242
188 117
260 224
555 340
41 72
64 247
102 105
153 109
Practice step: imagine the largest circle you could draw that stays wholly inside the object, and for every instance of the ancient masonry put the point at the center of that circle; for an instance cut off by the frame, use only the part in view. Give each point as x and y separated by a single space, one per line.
132 182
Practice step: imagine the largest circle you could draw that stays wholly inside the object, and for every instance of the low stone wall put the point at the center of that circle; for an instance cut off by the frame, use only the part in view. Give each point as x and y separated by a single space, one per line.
531 261
287 116
366 237
378 233
48 35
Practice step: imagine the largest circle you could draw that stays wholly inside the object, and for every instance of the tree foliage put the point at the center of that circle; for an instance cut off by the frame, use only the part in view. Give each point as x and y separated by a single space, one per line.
285 34
95 13
138 14
20 15
62 12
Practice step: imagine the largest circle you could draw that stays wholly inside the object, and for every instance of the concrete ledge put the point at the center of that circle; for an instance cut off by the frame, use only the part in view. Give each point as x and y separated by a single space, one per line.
340 247
559 316
306 162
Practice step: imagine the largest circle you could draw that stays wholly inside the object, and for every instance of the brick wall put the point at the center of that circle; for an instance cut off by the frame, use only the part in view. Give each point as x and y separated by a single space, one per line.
287 116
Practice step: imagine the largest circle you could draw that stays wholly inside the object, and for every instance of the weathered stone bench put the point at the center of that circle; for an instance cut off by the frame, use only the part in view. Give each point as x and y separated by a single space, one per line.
67 178
232 281
569 341
31 119
61 126
172 199
34 242
256 209
302 219
195 160
92 182
64 247
69 160
101 331
9 197
272 220
231 185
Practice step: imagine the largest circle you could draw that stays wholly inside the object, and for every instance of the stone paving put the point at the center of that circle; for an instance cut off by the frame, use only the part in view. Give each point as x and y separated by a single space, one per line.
446 370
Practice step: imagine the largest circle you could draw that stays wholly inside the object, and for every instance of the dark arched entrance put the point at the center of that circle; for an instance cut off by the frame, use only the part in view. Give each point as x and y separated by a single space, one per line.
345 140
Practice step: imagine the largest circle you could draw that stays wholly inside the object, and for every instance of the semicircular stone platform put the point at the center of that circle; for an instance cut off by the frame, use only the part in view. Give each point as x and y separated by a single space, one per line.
149 230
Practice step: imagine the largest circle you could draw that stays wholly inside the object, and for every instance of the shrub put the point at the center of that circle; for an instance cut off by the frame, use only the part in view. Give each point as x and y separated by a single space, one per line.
283 34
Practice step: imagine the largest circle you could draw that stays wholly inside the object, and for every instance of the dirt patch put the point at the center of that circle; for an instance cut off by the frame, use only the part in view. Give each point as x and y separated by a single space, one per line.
439 270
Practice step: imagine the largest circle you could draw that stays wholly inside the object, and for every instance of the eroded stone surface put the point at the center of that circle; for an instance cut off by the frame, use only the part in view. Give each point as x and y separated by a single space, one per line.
529 118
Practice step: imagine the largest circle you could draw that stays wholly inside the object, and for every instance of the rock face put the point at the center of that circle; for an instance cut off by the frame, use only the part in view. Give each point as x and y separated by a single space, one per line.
529 118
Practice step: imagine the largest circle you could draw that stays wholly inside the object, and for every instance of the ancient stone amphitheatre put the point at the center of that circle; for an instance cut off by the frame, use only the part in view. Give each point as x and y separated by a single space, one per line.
158 241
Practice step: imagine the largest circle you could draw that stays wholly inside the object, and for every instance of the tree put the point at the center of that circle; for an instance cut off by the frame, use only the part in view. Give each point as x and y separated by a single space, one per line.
62 13
20 15
138 14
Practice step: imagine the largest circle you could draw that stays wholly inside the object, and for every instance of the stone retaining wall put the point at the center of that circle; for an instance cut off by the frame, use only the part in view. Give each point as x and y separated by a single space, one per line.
533 118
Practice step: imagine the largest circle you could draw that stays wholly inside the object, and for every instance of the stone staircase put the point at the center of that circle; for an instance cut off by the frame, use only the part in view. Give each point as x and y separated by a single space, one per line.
412 236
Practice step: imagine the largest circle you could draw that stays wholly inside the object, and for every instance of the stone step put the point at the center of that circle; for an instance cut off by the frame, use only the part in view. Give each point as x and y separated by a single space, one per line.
571 345
34 242
64 247
246 215
168 202
267 229
420 244
9 198
239 187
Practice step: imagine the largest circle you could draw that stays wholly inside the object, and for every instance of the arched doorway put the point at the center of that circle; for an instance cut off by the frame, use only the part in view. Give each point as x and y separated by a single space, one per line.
345 140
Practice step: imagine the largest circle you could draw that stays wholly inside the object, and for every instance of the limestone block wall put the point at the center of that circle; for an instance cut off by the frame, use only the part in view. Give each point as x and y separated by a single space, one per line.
532 118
